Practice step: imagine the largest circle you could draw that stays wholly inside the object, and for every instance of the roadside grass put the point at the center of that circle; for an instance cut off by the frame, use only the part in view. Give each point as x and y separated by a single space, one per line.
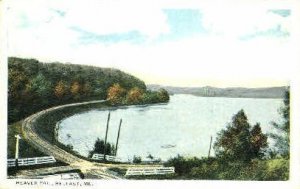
48 121
218 169
25 149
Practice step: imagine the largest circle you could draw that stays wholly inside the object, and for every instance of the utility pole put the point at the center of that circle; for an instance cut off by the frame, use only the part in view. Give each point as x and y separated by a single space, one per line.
209 146
107 125
17 150
118 137
55 134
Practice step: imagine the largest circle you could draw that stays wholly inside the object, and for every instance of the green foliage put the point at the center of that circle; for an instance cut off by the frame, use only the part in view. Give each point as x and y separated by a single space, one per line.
184 166
240 149
159 96
220 169
134 96
33 86
163 95
258 142
137 159
70 146
39 86
239 141
25 150
282 137
277 169
99 148
150 156
118 95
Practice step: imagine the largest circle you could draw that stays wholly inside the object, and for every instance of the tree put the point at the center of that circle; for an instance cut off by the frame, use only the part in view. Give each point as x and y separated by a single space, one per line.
75 89
240 142
150 157
163 95
33 85
16 80
116 94
258 141
99 148
39 86
282 138
134 96
137 159
60 89
86 89
155 96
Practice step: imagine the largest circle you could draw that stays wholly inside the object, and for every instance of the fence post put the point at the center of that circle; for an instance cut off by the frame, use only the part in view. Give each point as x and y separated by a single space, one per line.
17 150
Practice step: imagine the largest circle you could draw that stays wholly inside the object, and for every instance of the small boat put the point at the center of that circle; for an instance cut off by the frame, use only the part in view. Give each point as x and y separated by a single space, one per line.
168 146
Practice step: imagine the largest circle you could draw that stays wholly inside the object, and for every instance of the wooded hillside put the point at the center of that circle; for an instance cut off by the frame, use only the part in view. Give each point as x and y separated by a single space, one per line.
33 85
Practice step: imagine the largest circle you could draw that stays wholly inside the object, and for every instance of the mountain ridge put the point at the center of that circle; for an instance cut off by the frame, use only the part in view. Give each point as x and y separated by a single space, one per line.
230 92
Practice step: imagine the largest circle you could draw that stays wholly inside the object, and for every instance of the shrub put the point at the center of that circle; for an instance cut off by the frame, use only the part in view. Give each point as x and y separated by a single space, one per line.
137 159
277 169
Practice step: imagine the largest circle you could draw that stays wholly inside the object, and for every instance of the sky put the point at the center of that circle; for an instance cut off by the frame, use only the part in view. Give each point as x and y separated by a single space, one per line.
222 45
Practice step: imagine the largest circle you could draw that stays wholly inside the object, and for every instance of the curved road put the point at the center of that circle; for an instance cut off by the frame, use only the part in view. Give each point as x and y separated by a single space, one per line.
88 168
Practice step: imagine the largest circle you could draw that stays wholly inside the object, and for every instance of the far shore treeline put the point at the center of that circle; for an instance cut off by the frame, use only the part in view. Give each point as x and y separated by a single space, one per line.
33 86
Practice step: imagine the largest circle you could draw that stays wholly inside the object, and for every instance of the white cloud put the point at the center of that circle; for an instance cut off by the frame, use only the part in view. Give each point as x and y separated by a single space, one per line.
48 33
241 21
92 16
184 62
103 20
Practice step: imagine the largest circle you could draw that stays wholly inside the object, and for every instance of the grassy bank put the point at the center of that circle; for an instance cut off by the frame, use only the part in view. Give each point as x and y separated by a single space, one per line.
48 122
25 150
219 169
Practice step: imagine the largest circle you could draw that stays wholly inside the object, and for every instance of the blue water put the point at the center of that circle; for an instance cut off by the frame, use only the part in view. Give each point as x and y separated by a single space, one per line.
187 122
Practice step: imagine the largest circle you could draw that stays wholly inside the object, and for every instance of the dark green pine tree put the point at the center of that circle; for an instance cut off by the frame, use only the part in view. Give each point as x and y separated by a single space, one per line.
259 142
99 148
239 141
282 137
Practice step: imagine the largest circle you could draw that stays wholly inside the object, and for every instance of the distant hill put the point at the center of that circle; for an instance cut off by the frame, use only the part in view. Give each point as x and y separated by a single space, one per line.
233 92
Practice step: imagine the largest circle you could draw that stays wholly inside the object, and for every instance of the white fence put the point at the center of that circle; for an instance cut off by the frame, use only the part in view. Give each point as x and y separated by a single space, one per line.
149 171
101 157
31 161
11 162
